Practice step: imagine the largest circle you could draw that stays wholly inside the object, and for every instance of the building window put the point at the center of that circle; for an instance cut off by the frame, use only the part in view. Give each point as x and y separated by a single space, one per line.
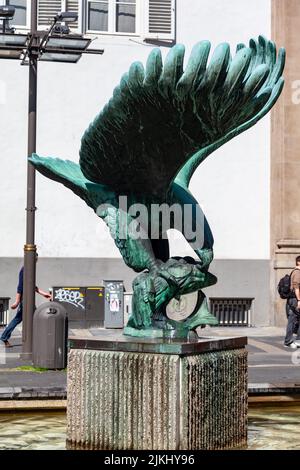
112 16
160 17
47 9
125 16
98 16
150 19
21 14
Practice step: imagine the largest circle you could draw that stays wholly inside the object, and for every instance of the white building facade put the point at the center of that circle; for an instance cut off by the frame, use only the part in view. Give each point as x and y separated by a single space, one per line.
232 185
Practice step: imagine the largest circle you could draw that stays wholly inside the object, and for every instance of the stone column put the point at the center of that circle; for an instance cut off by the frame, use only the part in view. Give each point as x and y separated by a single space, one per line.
133 394
285 154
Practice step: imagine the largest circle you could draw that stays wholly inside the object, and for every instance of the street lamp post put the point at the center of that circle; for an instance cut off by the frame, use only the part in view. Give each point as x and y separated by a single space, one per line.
55 45
30 247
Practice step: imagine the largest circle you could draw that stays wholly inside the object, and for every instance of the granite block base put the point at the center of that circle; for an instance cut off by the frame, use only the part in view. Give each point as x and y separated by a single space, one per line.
146 400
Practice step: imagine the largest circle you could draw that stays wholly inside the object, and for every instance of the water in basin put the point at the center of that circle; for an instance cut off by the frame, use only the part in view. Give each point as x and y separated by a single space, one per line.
269 428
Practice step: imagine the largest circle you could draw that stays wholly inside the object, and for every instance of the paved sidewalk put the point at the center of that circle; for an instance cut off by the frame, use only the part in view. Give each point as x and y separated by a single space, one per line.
273 369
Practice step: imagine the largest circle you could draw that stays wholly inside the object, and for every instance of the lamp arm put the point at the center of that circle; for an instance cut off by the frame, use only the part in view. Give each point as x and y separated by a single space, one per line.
46 37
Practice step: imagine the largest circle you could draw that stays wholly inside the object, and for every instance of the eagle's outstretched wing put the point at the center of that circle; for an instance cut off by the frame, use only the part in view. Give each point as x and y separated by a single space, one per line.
70 175
137 252
163 121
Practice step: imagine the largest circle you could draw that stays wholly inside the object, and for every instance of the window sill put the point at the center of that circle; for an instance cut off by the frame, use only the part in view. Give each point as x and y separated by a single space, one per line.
20 28
106 33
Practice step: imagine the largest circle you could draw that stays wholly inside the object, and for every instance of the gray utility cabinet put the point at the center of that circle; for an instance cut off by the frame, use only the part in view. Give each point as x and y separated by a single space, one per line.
4 309
84 305
114 304
50 330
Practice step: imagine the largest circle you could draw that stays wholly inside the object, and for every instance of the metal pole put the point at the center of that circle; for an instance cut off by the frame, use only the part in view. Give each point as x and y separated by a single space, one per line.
30 247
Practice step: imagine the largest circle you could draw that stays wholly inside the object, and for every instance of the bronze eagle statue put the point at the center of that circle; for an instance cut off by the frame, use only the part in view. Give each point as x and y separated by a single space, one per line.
143 148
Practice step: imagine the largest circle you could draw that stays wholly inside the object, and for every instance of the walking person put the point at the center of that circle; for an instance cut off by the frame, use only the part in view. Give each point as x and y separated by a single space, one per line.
293 309
18 304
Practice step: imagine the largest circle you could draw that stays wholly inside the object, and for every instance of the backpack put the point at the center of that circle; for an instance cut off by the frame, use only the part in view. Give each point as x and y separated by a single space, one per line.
284 286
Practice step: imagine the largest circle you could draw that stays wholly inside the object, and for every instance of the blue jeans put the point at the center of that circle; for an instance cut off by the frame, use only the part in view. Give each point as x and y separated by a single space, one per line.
293 315
12 325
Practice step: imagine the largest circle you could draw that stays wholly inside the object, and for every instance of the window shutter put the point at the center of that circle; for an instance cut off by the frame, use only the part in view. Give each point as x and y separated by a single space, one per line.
47 10
160 19
72 5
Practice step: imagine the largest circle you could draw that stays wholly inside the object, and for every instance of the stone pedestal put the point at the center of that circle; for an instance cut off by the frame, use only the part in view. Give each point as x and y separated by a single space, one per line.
127 393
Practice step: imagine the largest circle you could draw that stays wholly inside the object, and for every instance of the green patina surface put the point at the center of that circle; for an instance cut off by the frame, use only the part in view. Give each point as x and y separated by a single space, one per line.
160 124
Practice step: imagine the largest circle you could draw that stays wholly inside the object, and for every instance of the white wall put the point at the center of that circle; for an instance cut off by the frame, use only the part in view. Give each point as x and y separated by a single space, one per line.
232 185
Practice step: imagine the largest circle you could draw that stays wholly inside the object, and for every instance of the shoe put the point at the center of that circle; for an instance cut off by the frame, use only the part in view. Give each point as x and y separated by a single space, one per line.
297 342
292 345
7 344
